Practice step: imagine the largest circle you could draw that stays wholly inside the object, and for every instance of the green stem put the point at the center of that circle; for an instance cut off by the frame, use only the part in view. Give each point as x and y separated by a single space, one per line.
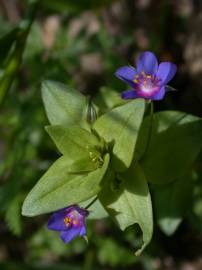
150 128
91 203
14 60
89 258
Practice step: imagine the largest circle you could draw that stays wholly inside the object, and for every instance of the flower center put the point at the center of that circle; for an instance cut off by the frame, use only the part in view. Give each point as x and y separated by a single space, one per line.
67 221
73 219
146 85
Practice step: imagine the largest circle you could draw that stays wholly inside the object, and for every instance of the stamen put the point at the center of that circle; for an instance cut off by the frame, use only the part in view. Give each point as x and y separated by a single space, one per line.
75 222
143 73
145 84
67 221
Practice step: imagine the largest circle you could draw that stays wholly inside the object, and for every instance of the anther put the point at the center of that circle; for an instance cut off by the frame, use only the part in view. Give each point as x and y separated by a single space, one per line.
67 221
91 154
143 73
75 222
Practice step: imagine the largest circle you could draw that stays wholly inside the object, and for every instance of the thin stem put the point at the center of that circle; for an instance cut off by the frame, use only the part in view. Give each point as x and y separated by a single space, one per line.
14 60
91 203
150 128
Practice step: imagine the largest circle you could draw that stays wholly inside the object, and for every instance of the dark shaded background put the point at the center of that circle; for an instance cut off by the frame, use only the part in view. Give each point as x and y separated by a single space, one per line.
82 44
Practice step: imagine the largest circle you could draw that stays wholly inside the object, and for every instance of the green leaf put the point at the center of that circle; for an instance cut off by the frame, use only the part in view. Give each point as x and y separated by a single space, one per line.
175 144
63 105
72 141
107 99
130 202
86 164
14 58
6 42
58 188
77 142
120 127
13 217
171 202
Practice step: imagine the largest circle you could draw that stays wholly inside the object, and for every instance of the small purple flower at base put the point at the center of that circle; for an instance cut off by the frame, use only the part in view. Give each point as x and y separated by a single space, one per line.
149 79
70 222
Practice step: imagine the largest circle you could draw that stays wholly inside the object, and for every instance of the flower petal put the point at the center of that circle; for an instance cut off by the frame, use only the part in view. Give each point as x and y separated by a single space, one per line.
83 230
67 236
166 72
160 95
130 94
56 221
126 74
148 63
82 211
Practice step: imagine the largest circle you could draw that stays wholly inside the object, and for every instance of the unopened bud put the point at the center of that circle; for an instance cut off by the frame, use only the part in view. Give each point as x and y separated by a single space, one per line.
91 112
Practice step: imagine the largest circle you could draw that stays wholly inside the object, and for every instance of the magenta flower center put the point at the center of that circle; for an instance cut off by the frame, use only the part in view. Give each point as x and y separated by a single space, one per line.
73 219
146 85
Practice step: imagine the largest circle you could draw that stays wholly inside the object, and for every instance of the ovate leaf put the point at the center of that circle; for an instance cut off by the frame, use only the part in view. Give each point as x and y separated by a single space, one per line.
171 202
130 203
63 105
72 140
58 188
175 143
76 142
120 127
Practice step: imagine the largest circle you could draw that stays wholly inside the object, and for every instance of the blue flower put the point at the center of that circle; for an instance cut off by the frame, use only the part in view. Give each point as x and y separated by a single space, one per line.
70 222
149 79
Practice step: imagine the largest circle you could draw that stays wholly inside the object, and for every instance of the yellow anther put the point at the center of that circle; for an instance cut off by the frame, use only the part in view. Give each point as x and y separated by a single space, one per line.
67 221
75 222
143 73
135 81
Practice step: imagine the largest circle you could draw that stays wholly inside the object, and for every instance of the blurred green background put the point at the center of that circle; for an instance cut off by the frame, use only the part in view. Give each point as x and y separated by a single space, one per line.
82 43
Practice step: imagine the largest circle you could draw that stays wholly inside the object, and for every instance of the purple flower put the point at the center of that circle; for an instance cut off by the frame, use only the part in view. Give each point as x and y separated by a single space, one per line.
69 221
149 79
